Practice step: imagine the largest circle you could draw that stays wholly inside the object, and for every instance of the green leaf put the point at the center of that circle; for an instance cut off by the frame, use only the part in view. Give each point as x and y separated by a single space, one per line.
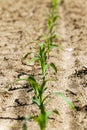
41 45
55 18
56 112
36 101
45 69
51 112
53 46
53 36
54 3
54 67
24 126
26 55
34 84
39 37
21 79
71 105
33 60
46 97
43 85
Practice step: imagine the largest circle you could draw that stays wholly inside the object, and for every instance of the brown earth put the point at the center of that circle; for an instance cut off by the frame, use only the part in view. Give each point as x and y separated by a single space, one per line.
22 22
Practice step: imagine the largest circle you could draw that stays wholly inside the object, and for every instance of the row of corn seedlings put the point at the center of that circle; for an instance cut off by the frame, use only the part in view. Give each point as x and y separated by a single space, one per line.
41 56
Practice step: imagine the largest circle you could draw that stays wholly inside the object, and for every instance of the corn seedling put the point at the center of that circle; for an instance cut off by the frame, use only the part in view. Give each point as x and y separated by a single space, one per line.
51 24
39 89
41 56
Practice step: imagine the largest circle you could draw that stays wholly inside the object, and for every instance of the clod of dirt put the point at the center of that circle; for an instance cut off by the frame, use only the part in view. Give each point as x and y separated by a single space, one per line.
80 73
20 103
83 108
71 92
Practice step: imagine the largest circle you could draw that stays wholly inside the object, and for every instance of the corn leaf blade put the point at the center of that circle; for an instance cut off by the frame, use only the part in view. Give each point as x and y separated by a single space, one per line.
26 55
56 111
36 101
24 126
54 67
33 60
34 84
71 105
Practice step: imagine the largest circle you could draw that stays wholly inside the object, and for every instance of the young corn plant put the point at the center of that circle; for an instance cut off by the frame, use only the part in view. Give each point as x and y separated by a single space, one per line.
39 88
53 15
49 40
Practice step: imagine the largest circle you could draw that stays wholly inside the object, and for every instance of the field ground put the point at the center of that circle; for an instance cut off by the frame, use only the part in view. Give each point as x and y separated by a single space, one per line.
23 21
